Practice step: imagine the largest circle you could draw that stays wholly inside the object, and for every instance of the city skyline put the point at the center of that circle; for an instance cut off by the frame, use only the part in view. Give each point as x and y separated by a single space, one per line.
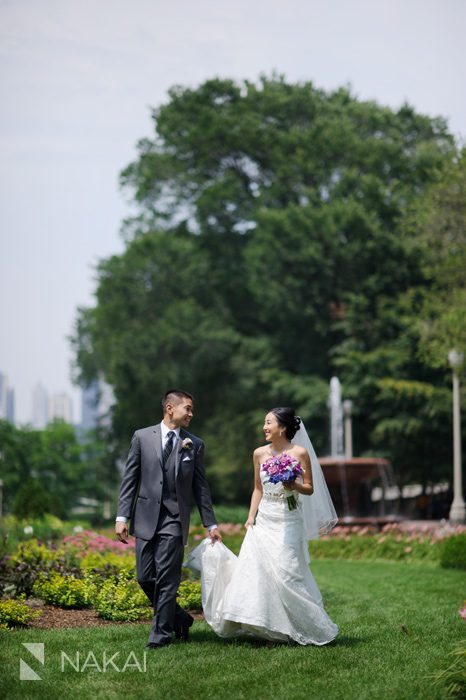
7 399
46 407
96 402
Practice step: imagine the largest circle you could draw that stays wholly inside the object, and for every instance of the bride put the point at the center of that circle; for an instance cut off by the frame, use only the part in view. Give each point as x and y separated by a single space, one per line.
268 591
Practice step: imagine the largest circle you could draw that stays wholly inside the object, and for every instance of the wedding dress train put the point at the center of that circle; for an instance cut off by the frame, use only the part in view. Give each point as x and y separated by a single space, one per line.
268 591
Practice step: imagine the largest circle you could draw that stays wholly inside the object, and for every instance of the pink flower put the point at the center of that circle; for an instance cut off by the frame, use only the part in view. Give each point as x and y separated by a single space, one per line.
462 612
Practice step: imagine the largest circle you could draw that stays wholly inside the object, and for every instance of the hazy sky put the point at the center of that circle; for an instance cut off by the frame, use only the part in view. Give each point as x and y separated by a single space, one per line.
78 78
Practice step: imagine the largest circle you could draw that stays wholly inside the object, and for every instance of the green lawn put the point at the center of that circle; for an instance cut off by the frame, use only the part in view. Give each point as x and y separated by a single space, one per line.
372 657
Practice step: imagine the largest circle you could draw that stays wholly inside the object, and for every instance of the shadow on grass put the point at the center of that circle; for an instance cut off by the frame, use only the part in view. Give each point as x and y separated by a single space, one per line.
345 640
207 636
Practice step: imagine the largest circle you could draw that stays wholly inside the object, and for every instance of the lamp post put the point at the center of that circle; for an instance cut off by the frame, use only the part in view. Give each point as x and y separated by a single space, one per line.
347 410
458 507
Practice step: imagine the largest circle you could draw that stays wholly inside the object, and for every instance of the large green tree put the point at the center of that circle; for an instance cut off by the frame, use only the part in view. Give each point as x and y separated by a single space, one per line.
441 231
401 375
265 254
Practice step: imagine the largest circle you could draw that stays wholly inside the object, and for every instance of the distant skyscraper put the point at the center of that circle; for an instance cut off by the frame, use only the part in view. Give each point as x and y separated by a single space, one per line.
40 407
96 401
3 393
7 399
61 407
10 405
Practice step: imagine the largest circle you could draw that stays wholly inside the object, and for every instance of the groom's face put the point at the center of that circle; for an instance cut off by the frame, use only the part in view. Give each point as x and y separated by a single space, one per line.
181 412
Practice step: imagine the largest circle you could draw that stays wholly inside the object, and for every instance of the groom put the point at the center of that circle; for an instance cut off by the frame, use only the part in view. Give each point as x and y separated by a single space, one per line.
165 465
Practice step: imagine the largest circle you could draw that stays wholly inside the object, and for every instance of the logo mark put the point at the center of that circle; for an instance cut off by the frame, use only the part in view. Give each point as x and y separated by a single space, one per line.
26 673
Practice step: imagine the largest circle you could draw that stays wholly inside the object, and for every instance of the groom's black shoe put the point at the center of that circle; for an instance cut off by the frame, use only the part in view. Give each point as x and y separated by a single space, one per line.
154 645
182 630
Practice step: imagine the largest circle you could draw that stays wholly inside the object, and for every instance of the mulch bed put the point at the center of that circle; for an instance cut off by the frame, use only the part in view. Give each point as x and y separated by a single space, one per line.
58 618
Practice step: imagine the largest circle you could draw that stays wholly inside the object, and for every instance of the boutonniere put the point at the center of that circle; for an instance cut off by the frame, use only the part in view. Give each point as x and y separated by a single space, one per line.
186 444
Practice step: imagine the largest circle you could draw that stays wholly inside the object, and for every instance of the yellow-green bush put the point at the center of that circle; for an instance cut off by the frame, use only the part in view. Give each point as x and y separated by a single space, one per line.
19 572
15 613
190 595
108 561
65 590
121 598
34 553
14 530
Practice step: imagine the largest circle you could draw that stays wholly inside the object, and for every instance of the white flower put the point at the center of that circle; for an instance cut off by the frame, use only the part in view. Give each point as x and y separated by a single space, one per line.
186 444
28 530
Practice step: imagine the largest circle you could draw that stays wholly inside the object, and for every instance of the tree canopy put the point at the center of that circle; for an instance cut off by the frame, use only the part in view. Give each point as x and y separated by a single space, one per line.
272 248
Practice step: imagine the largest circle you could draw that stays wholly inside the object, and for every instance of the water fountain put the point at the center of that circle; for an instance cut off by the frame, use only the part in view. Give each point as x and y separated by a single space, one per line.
351 479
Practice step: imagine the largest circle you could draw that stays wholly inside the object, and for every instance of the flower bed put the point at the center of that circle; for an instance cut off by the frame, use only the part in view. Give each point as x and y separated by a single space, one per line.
87 570
95 571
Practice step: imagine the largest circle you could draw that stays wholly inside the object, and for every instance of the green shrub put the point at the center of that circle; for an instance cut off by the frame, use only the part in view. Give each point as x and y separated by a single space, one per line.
47 528
35 553
108 564
381 546
190 595
121 598
15 613
65 590
453 678
453 554
33 501
224 514
19 572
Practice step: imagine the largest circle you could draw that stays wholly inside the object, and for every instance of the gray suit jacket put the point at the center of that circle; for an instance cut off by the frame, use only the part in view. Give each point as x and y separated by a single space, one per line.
141 487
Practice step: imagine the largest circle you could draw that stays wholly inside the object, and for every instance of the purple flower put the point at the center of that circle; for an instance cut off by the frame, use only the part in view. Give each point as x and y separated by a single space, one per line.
283 468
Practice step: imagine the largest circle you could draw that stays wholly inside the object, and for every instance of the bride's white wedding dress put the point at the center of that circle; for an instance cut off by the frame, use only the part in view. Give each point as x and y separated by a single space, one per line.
268 591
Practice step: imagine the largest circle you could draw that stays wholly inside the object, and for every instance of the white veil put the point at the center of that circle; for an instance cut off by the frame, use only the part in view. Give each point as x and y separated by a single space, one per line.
319 515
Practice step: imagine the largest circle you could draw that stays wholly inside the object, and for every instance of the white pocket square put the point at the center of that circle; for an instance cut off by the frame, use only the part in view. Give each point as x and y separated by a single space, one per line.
186 459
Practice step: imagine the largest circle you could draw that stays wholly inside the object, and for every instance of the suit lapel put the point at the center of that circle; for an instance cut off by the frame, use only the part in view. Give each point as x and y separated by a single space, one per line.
158 442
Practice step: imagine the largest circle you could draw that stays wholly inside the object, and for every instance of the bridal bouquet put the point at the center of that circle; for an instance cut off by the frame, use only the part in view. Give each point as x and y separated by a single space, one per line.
283 468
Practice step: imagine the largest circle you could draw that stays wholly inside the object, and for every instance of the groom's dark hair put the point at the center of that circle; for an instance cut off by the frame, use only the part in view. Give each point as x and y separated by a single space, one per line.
175 395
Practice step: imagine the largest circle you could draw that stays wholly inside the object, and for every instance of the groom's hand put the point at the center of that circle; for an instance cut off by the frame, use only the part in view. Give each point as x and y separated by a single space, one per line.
121 530
215 535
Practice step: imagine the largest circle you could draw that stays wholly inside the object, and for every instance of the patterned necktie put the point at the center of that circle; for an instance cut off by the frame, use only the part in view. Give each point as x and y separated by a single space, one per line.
168 446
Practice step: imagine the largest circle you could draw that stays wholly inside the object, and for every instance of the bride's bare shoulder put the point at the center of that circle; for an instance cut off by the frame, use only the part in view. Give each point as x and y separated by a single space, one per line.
299 451
260 452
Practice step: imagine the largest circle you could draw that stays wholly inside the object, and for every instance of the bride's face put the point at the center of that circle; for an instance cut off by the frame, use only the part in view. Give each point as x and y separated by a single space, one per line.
272 429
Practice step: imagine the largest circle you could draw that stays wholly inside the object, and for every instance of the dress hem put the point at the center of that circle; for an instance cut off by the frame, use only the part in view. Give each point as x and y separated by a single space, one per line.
268 631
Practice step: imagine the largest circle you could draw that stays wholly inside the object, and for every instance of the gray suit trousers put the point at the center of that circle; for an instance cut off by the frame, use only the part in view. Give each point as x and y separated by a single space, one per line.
158 566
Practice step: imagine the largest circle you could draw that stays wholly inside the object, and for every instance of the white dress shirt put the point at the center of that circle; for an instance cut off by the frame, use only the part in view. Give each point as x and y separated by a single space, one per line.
165 430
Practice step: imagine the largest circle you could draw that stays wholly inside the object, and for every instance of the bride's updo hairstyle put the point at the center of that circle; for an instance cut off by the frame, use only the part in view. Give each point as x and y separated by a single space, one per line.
287 418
